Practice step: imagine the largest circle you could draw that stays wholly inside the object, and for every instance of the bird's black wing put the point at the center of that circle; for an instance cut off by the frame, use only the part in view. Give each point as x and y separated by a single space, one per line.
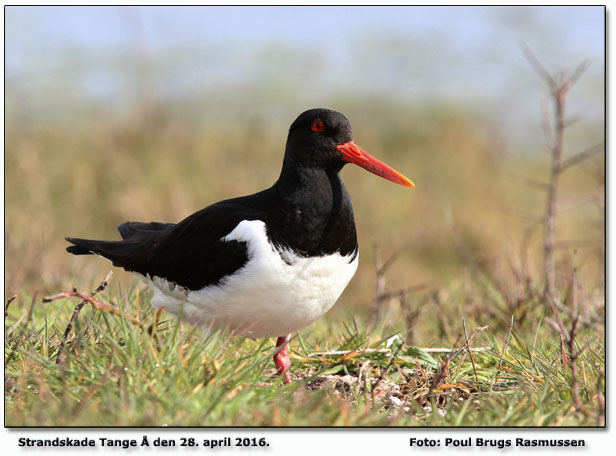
190 254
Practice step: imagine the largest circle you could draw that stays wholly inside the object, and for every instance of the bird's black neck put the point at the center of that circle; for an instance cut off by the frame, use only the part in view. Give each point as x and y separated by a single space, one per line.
316 213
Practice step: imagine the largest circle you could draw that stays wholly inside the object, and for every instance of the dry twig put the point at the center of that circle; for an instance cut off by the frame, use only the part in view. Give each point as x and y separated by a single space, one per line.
601 400
8 303
379 287
500 361
573 354
581 156
468 348
384 372
444 369
78 308
559 88
31 309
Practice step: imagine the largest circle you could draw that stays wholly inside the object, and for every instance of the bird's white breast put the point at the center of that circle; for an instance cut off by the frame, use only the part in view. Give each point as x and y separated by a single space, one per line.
267 296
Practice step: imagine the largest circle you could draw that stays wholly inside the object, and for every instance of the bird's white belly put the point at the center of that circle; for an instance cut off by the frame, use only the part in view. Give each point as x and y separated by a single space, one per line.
267 296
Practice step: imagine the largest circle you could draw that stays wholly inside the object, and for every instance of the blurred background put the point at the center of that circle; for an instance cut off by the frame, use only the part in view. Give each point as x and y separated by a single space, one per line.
151 113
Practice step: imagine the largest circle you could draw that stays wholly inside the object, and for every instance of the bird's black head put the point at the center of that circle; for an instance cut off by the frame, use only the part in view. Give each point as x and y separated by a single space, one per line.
322 139
313 138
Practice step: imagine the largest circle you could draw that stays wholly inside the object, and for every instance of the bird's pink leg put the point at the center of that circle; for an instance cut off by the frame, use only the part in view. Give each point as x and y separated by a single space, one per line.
281 358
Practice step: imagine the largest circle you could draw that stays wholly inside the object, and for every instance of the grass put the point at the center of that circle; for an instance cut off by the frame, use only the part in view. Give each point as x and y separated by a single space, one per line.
142 368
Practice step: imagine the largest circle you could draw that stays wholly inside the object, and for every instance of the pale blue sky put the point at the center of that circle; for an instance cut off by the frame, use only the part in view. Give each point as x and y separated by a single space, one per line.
460 55
577 27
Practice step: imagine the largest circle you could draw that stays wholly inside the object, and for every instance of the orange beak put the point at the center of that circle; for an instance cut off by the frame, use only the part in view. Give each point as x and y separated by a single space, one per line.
352 153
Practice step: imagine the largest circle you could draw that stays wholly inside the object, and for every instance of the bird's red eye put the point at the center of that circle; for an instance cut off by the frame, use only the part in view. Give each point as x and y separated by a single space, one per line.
317 125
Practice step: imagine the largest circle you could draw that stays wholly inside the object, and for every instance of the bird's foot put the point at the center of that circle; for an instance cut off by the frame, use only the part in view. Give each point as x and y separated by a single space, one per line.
281 359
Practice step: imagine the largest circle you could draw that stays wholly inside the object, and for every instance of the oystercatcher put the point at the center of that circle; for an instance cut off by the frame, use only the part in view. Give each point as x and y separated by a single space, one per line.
265 264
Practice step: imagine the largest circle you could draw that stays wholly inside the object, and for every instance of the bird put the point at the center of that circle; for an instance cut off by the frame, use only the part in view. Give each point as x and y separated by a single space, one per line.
266 264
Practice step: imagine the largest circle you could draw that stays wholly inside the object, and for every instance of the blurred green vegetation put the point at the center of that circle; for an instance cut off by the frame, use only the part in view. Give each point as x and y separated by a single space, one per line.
85 177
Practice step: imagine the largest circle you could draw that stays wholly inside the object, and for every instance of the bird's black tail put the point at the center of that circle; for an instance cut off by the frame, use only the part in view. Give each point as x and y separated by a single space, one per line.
137 240
80 246
116 251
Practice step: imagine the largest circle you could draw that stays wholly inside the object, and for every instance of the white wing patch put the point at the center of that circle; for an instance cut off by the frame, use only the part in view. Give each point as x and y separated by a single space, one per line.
267 296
